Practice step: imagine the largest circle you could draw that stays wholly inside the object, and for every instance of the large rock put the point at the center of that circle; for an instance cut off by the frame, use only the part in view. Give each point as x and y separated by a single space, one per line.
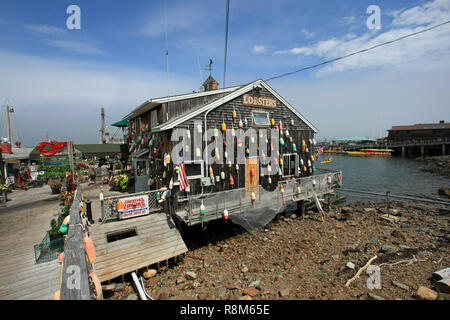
285 292
400 285
150 273
443 285
375 297
190 275
426 293
251 291
441 274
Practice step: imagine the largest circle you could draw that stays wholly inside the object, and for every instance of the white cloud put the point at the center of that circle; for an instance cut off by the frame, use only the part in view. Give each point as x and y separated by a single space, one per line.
434 43
65 96
44 29
75 46
259 49
62 39
307 34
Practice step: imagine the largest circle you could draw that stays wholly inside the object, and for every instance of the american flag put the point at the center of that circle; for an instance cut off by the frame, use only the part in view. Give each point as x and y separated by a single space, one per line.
184 183
319 153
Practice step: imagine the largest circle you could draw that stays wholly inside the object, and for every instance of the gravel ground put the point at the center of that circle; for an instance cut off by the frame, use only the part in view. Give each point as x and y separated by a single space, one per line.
295 259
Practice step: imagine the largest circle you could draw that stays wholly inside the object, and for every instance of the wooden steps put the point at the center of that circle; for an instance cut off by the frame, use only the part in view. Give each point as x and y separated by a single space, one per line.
157 239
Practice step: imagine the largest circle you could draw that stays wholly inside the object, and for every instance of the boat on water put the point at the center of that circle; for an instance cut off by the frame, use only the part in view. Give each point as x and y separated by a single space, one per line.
371 152
327 161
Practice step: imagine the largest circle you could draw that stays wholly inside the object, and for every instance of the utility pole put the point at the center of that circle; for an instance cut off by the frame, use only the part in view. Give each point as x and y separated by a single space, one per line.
102 130
9 121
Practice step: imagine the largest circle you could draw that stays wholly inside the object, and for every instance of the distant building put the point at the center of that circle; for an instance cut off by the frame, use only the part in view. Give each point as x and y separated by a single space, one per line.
432 131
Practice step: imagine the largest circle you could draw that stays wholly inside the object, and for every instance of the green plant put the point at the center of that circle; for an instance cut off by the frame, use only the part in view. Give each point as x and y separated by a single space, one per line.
121 181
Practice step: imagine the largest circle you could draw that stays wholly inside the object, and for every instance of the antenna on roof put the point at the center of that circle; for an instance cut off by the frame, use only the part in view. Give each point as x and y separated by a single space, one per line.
209 67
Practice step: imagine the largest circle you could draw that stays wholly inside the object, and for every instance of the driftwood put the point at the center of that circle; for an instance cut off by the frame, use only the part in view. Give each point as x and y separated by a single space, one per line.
409 261
356 276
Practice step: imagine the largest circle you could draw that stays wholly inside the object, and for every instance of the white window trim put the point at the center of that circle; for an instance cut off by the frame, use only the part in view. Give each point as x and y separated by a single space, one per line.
284 163
262 112
201 175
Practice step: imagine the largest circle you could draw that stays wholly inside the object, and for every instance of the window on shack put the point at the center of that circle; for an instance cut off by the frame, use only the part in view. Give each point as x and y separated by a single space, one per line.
194 170
260 118
290 165
154 118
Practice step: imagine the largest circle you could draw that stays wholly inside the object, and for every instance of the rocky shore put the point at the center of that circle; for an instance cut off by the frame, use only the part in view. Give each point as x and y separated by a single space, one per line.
295 258
438 164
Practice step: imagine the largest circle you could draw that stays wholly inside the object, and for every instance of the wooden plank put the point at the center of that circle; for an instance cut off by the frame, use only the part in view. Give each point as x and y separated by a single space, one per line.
141 239
106 274
128 252
174 245
75 282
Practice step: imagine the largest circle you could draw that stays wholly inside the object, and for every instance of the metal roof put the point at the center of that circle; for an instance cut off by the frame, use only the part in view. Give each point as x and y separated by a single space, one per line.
232 95
427 126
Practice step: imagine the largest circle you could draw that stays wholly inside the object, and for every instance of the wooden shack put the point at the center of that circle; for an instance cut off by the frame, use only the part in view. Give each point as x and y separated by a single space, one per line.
232 121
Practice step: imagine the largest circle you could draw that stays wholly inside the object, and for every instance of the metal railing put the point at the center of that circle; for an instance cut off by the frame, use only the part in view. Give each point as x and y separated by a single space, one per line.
414 142
109 204
239 200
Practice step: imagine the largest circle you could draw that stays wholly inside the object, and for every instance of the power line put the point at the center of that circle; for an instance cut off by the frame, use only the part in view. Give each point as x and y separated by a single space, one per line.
226 42
357 52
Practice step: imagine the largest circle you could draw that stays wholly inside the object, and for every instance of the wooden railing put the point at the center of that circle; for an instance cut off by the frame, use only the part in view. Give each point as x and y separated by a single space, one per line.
75 276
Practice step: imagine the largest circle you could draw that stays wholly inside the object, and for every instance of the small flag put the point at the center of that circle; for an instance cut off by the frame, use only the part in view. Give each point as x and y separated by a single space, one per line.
184 183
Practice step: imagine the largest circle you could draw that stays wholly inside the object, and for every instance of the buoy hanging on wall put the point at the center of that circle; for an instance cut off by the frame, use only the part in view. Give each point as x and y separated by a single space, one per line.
222 175
199 128
231 181
234 113
292 122
329 179
294 147
216 132
198 153
225 214
253 199
211 172
314 183
240 124
273 121
224 127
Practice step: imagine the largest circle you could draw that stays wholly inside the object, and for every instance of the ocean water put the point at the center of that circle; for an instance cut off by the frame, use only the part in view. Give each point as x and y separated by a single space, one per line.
400 176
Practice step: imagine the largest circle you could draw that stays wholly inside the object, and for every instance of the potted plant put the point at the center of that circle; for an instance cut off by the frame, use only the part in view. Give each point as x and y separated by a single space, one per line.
4 189
56 187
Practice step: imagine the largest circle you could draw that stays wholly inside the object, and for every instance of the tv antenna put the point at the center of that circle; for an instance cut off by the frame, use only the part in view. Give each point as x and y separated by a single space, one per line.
209 66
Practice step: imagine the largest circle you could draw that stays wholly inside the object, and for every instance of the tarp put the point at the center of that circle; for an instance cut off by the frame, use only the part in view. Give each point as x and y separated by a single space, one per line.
121 123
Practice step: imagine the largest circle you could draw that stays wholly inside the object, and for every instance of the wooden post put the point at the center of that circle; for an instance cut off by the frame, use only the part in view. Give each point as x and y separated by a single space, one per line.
75 279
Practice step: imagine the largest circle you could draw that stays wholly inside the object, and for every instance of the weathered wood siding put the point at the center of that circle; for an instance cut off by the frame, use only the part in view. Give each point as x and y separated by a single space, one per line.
299 131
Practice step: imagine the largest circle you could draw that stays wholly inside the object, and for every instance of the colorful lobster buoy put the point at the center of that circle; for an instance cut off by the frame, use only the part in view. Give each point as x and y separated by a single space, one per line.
211 173
199 128
273 121
90 249
294 147
241 125
314 183
270 180
97 285
225 214
198 153
299 190
216 132
234 114
222 175
329 179
292 122
231 181
224 127
253 199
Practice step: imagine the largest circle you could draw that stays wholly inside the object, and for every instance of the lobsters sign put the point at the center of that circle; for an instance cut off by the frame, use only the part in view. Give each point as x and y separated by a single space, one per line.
132 207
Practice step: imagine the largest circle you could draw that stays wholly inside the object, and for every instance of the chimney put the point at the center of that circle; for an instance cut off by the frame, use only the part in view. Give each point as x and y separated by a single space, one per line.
210 84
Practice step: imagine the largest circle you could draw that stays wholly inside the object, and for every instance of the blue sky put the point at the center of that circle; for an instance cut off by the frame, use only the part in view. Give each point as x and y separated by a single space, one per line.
58 79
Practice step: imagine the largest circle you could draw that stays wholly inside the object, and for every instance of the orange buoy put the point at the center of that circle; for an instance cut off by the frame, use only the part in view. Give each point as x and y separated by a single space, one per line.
225 214
57 295
97 284
231 181
90 249
61 257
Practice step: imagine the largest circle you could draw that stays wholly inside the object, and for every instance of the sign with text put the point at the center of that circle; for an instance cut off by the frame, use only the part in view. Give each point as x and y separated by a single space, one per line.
265 102
132 207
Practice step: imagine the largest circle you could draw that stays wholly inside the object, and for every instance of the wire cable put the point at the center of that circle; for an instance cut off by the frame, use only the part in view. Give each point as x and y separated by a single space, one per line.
358 52
226 41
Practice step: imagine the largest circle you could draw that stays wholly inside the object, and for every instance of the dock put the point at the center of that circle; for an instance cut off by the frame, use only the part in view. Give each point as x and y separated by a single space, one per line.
128 245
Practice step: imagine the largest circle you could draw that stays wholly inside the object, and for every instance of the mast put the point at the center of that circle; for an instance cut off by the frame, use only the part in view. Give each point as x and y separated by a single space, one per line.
102 130
9 121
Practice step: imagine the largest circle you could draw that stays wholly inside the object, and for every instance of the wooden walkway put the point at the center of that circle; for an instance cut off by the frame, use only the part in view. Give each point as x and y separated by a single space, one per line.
23 223
157 239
